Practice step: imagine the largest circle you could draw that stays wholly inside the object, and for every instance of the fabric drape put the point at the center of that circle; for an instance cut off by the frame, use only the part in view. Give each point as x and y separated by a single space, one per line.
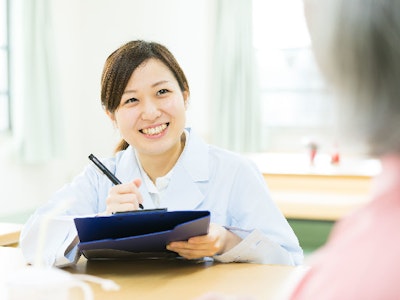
236 104
36 118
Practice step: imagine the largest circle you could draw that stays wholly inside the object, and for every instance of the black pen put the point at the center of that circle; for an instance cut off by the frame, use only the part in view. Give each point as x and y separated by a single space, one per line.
107 172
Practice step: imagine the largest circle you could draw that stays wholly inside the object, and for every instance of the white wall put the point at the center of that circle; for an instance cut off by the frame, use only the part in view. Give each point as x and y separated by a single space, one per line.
86 33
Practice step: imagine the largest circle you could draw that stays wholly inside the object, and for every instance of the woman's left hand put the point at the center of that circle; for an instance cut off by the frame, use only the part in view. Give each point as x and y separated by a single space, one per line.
217 241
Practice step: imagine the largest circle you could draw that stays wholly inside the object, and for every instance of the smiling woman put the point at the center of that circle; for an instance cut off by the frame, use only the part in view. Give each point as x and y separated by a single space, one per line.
77 50
151 112
154 121
163 164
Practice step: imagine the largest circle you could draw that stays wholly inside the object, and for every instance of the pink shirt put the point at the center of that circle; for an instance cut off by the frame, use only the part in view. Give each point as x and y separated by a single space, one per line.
361 259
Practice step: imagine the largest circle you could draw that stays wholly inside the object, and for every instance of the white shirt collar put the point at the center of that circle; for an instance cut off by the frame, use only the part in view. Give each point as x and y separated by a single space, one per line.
157 190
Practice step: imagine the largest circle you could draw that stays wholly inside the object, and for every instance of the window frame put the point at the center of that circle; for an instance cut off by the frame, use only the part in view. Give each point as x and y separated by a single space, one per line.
298 113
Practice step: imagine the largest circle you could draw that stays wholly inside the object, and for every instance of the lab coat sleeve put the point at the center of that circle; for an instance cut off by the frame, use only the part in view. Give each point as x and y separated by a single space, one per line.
44 242
263 251
266 235
49 237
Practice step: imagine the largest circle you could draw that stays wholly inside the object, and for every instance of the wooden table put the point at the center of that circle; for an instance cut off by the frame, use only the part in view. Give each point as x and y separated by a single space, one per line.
9 233
176 279
316 192
318 197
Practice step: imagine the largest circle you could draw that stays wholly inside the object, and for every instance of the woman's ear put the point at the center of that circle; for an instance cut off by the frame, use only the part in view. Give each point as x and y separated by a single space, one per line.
185 98
110 115
112 118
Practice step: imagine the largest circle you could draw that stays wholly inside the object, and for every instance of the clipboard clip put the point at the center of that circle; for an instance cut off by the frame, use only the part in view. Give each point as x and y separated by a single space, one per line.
139 211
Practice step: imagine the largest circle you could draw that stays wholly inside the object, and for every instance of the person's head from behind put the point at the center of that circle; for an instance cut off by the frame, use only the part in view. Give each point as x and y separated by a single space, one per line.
145 92
357 46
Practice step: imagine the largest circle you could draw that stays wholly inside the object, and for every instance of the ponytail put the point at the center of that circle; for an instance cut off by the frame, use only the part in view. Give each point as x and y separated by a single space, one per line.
122 145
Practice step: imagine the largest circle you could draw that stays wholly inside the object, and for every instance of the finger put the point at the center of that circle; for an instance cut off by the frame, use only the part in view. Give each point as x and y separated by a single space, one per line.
124 188
121 198
202 239
208 247
186 251
137 183
195 254
120 207
214 234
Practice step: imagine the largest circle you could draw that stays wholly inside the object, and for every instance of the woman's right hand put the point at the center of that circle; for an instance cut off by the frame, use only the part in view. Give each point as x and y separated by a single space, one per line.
124 197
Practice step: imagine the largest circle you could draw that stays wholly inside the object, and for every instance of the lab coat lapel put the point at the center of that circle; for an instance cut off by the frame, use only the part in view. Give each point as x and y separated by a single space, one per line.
127 167
183 193
190 174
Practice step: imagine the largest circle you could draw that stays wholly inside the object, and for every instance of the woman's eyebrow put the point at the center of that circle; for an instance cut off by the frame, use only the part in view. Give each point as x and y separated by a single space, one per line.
159 82
129 91
153 85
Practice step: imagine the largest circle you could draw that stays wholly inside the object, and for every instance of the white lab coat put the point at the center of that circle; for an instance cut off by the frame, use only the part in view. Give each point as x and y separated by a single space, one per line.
205 178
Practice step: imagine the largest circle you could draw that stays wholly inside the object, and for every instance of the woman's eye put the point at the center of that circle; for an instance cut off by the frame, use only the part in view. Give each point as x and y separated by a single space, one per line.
162 92
131 100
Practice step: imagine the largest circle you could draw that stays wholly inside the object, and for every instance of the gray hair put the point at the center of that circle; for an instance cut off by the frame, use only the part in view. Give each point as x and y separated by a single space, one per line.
357 46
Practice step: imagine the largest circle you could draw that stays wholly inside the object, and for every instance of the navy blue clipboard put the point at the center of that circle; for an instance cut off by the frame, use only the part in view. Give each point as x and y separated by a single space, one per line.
138 232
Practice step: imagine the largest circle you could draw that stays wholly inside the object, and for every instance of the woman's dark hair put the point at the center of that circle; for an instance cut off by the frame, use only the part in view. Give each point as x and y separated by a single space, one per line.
120 65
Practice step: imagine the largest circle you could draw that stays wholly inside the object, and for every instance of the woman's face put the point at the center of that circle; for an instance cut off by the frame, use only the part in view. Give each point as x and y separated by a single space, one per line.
152 113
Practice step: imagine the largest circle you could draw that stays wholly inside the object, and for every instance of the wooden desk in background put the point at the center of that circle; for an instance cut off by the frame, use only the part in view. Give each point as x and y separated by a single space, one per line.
174 279
318 197
314 196
9 233
316 192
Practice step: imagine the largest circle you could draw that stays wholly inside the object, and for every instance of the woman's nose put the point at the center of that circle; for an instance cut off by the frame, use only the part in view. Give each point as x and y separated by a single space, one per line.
150 111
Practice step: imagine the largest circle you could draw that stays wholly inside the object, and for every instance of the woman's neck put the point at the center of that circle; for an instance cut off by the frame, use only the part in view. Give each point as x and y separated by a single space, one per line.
159 165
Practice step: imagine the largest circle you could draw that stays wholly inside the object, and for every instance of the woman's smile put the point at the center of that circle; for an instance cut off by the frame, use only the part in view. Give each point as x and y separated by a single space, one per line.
155 131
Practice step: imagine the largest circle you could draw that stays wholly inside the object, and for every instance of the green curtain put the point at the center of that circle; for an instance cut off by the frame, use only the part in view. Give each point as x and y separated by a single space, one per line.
236 116
36 117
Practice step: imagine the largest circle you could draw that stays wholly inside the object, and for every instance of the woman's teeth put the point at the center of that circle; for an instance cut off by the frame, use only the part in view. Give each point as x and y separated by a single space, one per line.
154 130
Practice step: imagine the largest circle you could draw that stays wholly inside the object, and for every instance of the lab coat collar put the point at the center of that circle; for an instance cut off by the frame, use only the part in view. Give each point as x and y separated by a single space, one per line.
127 167
194 157
191 168
190 172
